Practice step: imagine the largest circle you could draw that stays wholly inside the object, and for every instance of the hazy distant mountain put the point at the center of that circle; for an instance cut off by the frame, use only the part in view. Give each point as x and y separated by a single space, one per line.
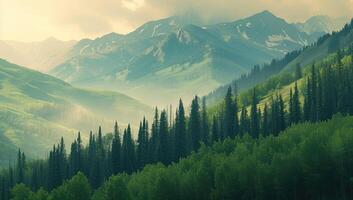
37 109
175 57
322 23
42 56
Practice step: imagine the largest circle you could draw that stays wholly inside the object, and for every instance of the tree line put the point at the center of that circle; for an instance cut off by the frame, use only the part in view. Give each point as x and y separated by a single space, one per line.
327 90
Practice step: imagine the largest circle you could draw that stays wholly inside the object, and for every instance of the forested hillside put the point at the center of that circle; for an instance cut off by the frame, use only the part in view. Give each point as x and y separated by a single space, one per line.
325 45
273 149
307 161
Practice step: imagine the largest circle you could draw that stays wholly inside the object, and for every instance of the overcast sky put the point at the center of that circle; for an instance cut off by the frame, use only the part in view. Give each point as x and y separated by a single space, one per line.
34 20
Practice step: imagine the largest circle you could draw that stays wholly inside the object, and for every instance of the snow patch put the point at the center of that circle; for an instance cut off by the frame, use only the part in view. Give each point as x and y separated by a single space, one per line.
243 34
249 25
155 29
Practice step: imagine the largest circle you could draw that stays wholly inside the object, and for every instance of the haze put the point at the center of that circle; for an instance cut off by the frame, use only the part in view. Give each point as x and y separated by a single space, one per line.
34 20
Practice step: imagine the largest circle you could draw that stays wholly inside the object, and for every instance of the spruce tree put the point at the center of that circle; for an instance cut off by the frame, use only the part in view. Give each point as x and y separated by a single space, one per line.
180 140
195 124
154 138
244 122
163 153
296 109
204 123
255 123
128 152
116 150
229 115
214 134
265 122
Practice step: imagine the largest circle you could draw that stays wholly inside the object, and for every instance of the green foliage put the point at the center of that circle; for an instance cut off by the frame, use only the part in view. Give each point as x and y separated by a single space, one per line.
307 161
77 188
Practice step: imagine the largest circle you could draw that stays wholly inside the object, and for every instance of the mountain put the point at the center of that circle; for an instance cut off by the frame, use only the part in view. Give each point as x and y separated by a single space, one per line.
166 57
37 109
324 46
42 56
322 23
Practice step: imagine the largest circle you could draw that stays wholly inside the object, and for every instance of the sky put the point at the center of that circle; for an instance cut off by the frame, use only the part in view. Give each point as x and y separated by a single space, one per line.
35 20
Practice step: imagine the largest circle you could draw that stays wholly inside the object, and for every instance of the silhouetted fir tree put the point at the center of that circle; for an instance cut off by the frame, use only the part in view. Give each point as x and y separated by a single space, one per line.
236 111
154 137
319 104
205 131
291 113
275 110
229 114
313 92
128 152
142 144
195 124
214 133
116 150
181 139
282 114
254 117
307 101
265 122
296 109
163 150
244 122
21 164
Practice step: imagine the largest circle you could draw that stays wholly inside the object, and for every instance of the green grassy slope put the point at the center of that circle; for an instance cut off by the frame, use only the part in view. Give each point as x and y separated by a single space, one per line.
37 109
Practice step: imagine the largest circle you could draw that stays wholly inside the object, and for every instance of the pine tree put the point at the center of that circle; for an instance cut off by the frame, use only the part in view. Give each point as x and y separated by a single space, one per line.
313 92
296 105
282 114
236 110
195 124
142 144
163 153
229 118
214 136
180 140
116 150
21 159
319 104
265 122
128 152
154 138
244 122
255 123
204 123
307 101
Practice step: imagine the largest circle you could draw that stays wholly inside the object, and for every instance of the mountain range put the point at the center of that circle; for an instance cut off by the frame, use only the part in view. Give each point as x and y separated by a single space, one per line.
41 56
173 57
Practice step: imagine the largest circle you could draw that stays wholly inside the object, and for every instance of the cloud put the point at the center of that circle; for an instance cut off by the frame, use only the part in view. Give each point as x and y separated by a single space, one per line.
67 19
133 5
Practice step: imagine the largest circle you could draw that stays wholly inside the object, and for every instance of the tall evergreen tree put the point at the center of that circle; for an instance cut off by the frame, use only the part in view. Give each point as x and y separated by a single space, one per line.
163 150
244 122
195 124
116 150
180 140
204 122
229 115
154 137
255 123
265 122
128 152
214 134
